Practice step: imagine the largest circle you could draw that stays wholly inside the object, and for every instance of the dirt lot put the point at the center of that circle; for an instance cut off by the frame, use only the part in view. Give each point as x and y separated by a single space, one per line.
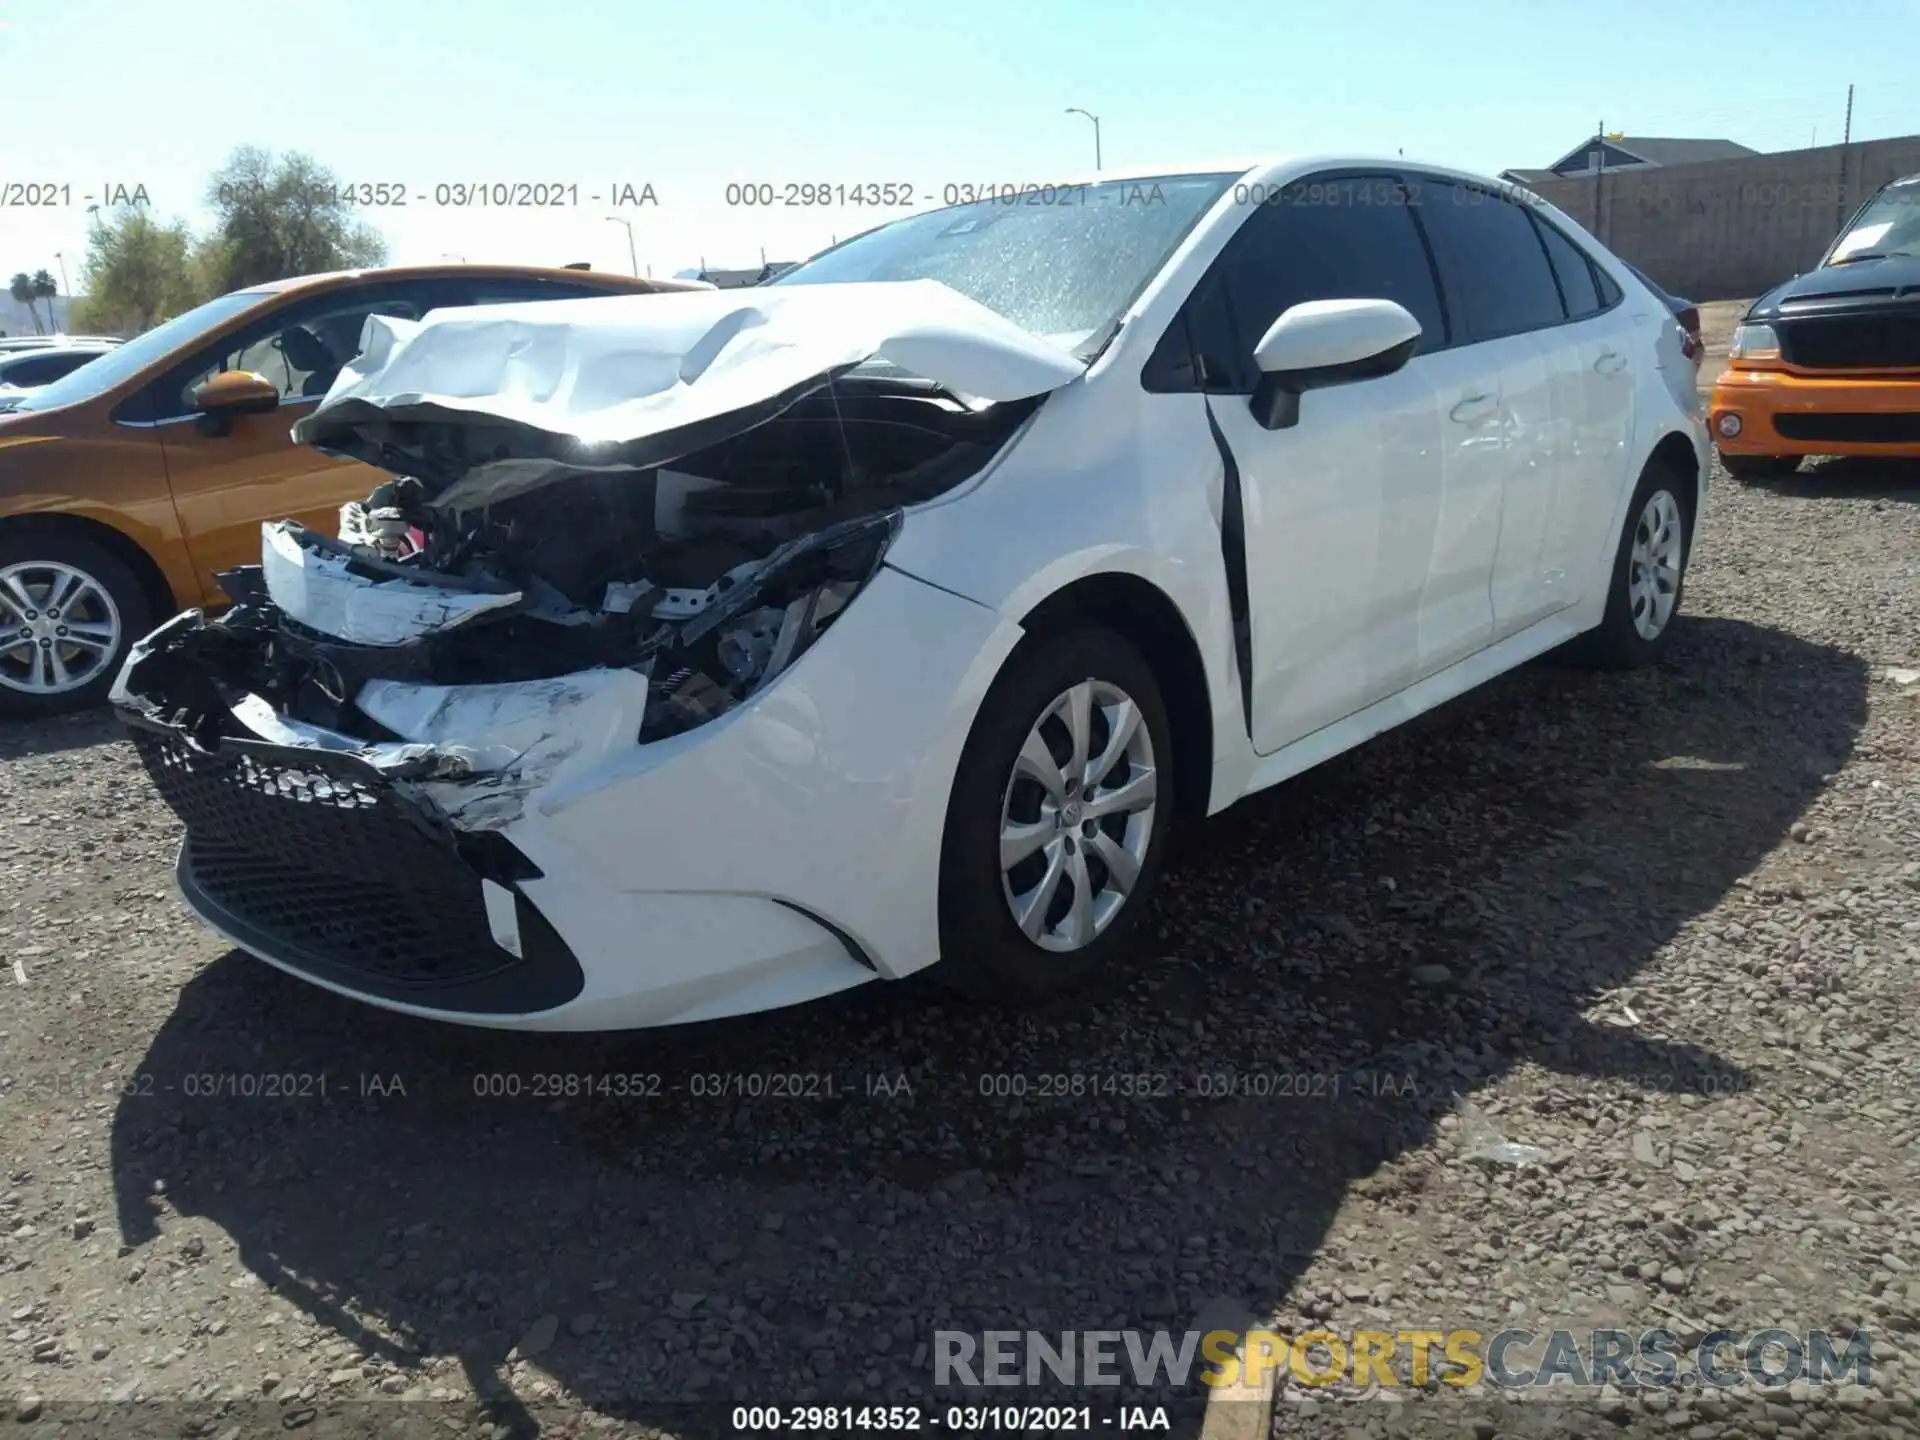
1717 321
1662 926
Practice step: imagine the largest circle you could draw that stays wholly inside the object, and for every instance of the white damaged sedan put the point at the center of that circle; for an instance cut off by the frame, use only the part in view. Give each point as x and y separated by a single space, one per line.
721 650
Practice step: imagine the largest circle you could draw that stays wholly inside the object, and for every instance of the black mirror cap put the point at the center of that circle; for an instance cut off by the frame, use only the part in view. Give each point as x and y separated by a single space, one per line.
1276 396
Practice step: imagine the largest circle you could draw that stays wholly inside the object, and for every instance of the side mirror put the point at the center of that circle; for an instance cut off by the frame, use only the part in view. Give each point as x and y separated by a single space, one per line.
231 393
1327 342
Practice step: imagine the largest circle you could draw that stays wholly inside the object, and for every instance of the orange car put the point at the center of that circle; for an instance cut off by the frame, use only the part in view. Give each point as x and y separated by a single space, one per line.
127 485
1829 362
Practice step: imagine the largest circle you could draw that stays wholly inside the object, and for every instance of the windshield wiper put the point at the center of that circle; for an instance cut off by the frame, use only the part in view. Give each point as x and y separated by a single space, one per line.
1090 349
1862 255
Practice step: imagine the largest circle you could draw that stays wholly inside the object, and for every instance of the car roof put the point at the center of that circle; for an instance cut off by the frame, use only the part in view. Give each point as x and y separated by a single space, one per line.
1255 166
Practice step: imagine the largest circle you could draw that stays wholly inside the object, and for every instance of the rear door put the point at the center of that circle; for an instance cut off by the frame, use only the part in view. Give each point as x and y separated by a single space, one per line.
1606 344
225 485
1514 397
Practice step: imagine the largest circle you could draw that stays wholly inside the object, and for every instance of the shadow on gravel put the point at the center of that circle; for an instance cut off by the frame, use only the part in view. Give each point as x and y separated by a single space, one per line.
1852 477
21 738
1541 841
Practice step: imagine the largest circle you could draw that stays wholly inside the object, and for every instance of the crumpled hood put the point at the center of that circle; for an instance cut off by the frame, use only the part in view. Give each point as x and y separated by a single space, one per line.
500 392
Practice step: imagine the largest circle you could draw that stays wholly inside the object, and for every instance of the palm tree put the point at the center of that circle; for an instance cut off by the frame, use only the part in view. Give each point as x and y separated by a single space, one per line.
21 289
45 288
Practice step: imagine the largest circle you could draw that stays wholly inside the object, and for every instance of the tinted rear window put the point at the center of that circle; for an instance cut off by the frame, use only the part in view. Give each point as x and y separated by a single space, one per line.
1571 269
1492 262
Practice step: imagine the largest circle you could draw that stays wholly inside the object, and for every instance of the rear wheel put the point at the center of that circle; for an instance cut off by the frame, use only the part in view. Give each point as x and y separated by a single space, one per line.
1648 575
69 611
1752 469
1058 819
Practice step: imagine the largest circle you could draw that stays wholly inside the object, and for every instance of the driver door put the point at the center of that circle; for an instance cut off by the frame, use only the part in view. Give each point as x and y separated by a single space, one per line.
1353 543
225 485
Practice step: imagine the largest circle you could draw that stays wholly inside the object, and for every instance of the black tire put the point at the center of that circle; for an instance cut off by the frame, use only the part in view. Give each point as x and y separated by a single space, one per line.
1756 469
1618 644
131 611
984 953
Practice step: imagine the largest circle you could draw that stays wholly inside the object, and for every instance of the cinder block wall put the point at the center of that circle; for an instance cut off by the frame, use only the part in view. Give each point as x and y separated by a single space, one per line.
1728 229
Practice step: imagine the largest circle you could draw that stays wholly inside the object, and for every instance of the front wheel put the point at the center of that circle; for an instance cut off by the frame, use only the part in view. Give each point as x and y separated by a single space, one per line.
69 612
1058 819
1648 575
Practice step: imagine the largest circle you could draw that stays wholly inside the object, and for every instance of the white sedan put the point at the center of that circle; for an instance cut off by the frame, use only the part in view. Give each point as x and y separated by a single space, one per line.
723 650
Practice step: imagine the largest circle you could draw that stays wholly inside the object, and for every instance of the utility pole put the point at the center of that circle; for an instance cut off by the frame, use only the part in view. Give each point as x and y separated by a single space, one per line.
1076 110
1599 169
1846 135
633 260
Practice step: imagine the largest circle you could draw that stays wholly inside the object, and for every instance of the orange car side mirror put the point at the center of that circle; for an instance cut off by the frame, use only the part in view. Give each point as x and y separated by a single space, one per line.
231 393
236 392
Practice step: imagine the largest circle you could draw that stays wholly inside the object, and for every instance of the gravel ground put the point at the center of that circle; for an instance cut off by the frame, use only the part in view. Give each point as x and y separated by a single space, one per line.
1660 926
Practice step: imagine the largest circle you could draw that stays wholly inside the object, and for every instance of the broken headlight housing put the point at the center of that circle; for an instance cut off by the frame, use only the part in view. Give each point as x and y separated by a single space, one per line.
758 627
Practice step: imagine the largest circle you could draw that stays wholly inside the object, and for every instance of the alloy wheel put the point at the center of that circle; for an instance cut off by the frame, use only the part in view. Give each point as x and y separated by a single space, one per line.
58 627
1077 816
1653 564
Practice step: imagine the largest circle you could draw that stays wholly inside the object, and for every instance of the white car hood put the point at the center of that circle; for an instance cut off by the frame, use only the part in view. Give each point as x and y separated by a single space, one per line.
630 381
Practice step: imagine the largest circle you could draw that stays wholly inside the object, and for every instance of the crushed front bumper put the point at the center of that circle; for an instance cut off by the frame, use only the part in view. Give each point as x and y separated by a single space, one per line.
782 852
331 867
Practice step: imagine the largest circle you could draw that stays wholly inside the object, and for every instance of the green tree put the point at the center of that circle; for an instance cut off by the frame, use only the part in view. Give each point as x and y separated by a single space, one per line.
45 289
21 289
277 217
137 273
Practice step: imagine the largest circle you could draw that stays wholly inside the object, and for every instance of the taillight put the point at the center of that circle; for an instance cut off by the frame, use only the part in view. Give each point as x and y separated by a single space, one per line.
1689 322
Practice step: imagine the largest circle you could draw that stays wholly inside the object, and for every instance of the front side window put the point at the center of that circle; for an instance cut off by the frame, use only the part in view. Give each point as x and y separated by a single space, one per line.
1498 279
301 354
1340 238
481 290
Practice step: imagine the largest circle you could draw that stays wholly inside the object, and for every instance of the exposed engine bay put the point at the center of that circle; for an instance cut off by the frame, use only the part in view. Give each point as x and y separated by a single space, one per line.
488 561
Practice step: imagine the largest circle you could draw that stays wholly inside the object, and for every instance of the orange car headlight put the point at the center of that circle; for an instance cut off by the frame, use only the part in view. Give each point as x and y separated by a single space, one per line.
1754 342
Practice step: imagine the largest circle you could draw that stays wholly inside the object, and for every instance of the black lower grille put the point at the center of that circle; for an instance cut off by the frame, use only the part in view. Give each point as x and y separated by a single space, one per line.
1852 342
338 874
1851 429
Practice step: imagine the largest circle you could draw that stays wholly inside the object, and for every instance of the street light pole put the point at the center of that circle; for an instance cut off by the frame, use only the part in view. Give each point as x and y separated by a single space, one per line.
633 258
58 259
1076 110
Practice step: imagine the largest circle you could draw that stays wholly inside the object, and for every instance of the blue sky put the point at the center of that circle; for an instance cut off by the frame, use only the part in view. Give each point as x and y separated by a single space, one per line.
594 93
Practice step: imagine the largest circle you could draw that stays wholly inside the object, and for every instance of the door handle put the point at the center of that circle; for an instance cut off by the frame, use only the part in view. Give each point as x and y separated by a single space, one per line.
1611 362
1474 407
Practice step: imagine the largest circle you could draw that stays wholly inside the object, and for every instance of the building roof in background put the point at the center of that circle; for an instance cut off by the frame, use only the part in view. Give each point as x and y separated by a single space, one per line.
1659 151
1663 150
